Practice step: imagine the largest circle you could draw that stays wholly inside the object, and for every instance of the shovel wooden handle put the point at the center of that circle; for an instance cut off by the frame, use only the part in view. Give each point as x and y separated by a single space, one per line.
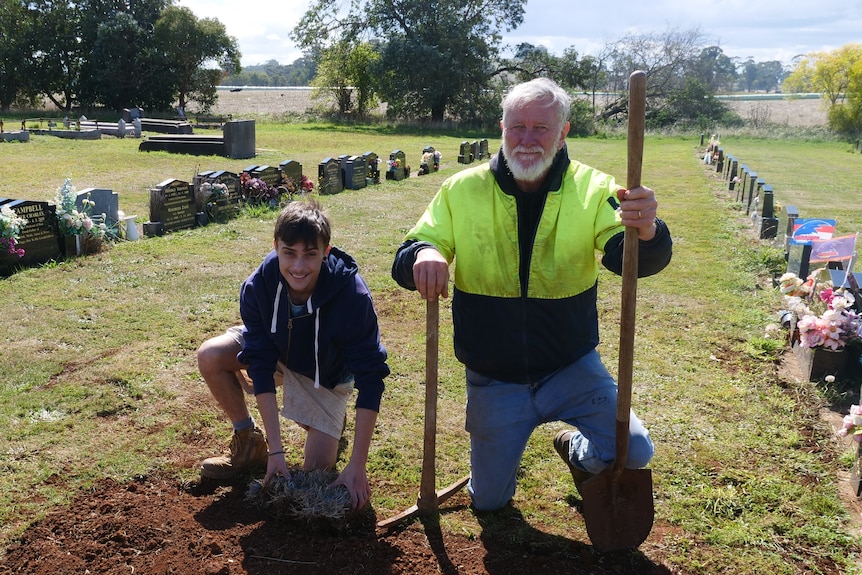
428 486
637 113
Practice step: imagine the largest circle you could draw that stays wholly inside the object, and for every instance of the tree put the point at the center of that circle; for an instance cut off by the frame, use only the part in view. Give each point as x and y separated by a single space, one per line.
825 72
435 57
15 52
715 70
58 51
667 58
838 75
190 45
131 72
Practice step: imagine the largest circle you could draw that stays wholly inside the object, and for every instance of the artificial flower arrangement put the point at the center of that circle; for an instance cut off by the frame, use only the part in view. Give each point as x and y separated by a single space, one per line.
852 425
256 191
10 231
306 186
826 317
71 220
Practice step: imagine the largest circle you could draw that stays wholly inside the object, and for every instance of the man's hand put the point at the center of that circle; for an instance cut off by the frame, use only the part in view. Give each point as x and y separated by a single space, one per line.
431 274
638 208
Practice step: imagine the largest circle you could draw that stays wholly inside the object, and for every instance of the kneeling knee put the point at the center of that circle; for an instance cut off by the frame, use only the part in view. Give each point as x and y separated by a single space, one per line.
641 450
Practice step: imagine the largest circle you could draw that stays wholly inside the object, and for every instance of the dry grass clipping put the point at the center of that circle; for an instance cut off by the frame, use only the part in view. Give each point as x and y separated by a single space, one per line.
306 495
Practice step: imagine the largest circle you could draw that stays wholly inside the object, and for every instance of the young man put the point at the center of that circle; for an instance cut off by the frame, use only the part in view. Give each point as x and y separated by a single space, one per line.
526 227
309 324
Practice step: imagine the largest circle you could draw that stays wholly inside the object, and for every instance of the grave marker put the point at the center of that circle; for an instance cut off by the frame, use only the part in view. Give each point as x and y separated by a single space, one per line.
329 174
172 203
372 168
291 173
105 202
483 149
40 237
353 172
269 174
734 171
768 221
398 169
464 154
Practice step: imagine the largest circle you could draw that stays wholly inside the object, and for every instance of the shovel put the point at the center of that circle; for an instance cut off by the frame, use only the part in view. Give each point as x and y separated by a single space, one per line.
429 497
618 504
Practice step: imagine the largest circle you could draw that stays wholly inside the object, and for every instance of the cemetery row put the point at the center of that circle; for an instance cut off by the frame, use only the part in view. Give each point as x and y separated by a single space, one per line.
176 205
809 246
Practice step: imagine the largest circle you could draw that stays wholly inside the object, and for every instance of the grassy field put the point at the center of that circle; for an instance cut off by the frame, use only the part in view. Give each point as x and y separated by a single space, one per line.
99 374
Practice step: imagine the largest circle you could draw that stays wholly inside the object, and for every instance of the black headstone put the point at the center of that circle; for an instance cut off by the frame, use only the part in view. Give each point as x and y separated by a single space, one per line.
173 204
353 169
268 174
397 166
40 238
372 167
329 174
291 170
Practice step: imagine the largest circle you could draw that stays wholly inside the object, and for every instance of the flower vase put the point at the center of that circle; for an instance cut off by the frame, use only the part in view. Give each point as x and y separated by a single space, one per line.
72 246
816 363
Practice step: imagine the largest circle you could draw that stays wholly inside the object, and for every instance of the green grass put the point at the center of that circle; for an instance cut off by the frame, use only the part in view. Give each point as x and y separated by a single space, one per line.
100 377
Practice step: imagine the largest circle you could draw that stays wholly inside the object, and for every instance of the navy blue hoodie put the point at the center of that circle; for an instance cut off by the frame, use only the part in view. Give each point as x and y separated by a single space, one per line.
335 336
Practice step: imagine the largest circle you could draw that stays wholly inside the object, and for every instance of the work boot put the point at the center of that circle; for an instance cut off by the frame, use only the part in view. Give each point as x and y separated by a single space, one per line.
248 451
562 443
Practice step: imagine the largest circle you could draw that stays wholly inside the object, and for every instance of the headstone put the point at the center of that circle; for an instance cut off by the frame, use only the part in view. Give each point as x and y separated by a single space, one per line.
398 169
740 185
239 139
430 161
474 150
329 174
291 170
464 154
483 149
768 221
105 202
40 238
231 180
752 182
372 167
268 174
354 172
342 162
173 204
734 172
792 215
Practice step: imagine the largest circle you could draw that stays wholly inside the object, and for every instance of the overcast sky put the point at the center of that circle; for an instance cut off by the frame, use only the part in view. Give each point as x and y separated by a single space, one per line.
762 29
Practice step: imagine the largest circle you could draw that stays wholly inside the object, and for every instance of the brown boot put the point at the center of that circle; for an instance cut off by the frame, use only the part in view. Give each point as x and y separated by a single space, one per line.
247 451
561 445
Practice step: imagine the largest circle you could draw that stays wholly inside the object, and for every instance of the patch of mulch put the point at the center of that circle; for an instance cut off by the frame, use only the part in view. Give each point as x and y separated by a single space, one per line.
154 526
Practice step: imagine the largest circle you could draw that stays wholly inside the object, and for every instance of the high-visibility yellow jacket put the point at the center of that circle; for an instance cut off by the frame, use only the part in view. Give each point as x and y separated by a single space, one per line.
505 328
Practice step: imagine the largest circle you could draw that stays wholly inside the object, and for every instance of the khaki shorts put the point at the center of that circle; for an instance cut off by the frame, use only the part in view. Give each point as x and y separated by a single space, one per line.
319 408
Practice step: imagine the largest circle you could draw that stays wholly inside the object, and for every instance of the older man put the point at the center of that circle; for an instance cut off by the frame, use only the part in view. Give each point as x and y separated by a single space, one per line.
526 228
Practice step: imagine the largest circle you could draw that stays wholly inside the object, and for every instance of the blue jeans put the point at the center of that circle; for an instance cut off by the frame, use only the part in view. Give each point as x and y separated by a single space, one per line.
501 416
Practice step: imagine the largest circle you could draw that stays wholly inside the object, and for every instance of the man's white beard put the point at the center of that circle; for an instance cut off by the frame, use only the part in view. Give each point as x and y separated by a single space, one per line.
532 172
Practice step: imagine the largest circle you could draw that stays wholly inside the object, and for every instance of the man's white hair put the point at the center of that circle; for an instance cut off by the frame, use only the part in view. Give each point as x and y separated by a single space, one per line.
538 90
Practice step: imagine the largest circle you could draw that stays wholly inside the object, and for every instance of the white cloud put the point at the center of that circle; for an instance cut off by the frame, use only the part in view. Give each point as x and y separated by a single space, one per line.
761 29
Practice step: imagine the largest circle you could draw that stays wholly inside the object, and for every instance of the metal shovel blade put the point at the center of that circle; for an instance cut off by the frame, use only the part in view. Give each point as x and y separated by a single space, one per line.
618 511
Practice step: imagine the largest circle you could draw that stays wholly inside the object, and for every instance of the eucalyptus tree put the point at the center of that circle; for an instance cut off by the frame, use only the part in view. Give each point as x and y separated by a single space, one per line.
437 58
